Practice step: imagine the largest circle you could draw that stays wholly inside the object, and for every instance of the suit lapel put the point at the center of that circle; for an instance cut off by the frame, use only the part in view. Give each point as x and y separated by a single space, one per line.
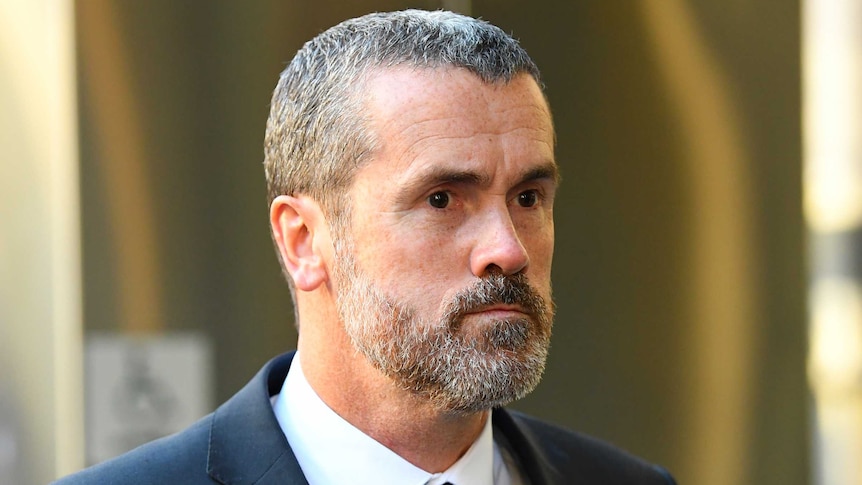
246 444
523 445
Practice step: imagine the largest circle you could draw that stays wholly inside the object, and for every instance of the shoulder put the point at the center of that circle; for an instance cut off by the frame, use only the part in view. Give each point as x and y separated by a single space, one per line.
179 458
240 440
559 455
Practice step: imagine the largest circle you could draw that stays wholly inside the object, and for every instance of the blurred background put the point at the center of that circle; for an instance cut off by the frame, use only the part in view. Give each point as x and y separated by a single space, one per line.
708 256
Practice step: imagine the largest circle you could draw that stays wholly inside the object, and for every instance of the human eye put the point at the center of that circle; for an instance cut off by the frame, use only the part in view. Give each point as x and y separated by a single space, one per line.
528 198
439 200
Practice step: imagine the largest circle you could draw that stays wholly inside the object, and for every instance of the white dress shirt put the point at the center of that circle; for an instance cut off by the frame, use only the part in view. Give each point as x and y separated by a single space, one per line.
332 451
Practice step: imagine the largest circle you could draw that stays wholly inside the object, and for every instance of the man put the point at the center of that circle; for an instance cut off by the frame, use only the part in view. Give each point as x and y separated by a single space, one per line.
411 173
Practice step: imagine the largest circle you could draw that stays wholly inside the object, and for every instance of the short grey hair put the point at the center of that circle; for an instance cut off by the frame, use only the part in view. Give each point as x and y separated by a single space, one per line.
316 135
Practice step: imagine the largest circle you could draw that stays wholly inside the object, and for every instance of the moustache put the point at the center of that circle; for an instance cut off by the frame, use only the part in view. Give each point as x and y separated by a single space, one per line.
495 289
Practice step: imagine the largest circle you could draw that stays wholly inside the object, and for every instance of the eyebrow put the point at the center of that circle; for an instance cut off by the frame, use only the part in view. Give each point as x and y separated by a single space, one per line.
443 175
547 171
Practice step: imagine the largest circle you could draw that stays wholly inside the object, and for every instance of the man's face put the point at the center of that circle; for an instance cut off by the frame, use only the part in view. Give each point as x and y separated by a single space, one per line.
443 276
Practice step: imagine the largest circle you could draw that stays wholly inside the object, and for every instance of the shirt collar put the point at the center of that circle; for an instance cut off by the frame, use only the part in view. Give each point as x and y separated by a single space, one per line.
332 451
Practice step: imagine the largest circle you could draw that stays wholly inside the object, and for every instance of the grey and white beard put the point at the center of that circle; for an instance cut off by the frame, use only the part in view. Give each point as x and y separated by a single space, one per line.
457 370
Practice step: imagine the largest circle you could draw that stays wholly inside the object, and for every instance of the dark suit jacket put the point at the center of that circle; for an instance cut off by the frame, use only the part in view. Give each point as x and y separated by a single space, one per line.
242 443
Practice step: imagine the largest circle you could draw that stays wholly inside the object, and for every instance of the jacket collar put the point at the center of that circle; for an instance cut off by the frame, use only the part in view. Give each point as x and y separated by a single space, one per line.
246 444
529 451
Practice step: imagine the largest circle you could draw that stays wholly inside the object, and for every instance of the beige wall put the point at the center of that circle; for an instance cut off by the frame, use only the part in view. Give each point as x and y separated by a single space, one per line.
40 280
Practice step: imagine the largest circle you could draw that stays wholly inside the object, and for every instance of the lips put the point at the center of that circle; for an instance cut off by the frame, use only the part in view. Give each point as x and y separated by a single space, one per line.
501 309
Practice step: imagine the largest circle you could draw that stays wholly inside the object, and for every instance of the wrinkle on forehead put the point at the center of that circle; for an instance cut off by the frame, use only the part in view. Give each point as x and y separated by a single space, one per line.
412 110
389 90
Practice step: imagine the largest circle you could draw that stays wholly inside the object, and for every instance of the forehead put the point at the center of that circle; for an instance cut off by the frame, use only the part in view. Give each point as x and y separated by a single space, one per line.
412 111
405 95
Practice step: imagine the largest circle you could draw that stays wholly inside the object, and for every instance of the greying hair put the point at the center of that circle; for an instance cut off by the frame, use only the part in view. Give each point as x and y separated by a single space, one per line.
316 135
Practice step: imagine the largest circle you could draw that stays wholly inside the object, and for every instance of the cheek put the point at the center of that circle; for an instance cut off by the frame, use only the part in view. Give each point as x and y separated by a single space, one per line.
536 232
539 244
433 259
417 262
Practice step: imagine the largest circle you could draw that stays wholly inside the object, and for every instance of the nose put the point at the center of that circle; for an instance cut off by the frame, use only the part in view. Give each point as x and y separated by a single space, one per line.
498 247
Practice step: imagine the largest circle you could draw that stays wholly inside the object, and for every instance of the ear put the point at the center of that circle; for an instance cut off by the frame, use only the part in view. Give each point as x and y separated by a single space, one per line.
296 222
